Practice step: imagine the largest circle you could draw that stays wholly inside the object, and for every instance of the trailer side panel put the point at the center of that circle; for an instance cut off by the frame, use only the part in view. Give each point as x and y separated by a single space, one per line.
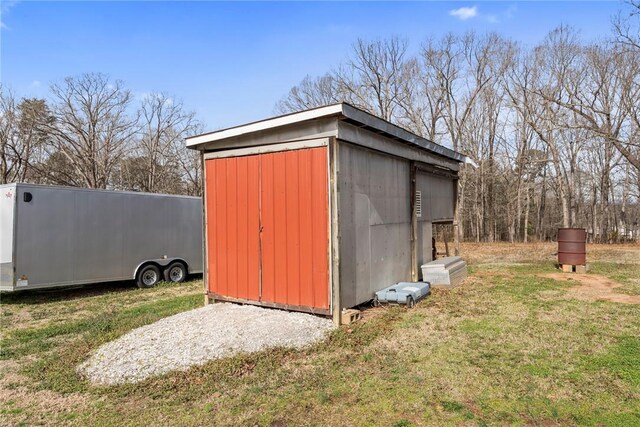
67 236
44 237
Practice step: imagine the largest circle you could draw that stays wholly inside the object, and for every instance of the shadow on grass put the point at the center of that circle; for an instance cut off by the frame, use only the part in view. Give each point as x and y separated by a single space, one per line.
70 293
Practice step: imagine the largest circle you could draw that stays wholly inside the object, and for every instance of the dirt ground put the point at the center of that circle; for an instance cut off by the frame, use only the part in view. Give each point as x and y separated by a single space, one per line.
588 287
594 287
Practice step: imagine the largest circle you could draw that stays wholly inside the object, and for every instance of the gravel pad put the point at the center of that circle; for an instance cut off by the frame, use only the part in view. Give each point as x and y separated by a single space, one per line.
197 336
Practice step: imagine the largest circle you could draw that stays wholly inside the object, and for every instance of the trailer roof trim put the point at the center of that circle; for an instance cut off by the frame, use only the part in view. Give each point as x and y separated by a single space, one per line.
95 190
344 111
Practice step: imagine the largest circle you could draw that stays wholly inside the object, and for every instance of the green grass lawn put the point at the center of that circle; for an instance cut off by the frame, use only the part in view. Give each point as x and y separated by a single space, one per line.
507 347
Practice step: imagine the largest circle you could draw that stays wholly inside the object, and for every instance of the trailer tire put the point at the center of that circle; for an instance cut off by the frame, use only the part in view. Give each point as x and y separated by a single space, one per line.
148 276
176 272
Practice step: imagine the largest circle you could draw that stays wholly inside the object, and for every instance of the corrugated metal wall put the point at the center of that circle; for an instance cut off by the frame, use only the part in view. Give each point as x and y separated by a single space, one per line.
437 196
268 222
375 223
375 220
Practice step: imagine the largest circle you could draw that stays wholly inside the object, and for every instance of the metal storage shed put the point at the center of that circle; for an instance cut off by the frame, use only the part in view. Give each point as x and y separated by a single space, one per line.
315 211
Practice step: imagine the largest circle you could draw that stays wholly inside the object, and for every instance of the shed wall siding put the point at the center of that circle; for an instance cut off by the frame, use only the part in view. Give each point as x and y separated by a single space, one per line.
367 138
320 128
375 222
438 197
424 246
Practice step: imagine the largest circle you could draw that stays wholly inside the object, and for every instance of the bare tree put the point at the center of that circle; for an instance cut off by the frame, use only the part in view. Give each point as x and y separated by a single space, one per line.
601 91
422 106
164 125
310 93
190 162
22 141
626 26
554 129
372 78
92 127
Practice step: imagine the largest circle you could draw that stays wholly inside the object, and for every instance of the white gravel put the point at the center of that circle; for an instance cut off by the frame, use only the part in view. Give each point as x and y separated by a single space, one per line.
197 336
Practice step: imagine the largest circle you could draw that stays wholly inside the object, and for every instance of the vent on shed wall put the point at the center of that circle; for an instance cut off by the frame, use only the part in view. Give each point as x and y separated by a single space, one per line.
418 205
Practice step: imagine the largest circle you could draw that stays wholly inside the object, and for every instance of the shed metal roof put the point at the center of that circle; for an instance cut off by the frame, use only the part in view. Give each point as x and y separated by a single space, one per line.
341 111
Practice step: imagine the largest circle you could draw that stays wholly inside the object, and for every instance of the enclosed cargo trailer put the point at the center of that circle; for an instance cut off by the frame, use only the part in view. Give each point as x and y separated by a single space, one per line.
58 236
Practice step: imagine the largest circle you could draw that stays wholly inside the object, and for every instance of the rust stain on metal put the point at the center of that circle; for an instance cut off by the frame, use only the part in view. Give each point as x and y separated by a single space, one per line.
572 246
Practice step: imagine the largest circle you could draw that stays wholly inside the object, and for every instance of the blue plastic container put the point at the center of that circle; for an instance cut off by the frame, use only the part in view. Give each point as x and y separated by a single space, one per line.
407 293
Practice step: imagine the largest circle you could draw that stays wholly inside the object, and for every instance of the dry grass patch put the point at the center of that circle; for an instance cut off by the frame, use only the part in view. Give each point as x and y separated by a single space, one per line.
505 348
509 253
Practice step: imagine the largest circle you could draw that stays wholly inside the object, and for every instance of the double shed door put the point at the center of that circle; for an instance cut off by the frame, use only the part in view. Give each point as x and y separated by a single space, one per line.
267 227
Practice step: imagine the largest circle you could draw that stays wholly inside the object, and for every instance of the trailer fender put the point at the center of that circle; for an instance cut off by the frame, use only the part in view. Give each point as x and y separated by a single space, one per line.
160 262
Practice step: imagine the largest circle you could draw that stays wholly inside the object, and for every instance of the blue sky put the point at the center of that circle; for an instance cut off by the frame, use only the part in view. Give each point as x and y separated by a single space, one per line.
231 62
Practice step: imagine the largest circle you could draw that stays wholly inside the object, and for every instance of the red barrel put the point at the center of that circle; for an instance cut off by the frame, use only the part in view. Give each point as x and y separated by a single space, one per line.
572 246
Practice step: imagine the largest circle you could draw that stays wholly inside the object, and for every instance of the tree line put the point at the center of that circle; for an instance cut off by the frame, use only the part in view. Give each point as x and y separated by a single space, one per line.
553 128
92 132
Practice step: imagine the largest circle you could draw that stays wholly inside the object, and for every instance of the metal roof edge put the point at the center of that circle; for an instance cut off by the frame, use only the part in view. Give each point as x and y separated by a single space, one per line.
283 120
343 109
382 125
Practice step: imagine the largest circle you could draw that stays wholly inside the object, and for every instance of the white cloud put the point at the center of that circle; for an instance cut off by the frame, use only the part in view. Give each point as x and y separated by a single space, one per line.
5 7
493 19
36 83
464 13
511 10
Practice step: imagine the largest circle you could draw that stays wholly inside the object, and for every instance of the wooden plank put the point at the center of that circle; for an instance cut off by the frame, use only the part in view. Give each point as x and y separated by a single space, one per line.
446 239
335 231
456 227
305 309
414 223
262 149
205 260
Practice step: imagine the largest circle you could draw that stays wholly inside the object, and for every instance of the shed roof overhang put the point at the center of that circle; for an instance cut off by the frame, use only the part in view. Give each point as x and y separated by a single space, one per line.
343 112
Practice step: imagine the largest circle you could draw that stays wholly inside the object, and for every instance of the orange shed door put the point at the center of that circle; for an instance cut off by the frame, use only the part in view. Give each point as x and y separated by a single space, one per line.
276 206
233 227
294 216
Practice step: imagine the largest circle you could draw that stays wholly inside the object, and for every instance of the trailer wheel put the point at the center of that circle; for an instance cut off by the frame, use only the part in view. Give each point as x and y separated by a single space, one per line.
148 276
176 272
410 302
376 301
